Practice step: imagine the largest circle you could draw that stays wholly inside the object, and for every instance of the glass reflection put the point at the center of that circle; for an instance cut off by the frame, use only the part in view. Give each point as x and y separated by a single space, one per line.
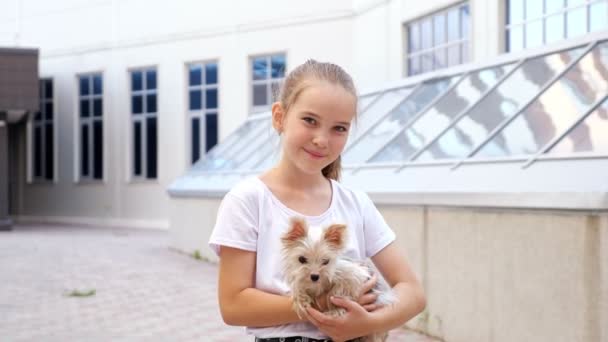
588 136
375 138
500 104
556 109
438 117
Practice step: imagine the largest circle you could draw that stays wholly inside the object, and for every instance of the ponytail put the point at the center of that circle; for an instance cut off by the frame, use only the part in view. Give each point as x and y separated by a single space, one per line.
333 170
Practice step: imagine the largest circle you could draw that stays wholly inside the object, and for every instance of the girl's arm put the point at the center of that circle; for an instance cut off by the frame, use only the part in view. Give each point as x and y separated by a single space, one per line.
240 303
357 321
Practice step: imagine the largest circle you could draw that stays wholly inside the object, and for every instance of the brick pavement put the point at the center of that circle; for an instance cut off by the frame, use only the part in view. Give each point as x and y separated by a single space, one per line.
144 290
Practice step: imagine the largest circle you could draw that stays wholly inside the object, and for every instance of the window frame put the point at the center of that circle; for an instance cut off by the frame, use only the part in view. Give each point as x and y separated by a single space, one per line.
89 121
256 109
32 125
141 118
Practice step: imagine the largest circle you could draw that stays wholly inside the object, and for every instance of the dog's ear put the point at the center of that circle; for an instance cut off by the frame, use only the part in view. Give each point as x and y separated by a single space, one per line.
335 235
297 231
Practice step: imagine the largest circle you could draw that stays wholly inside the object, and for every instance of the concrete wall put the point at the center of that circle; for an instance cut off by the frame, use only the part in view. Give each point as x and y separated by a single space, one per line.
490 274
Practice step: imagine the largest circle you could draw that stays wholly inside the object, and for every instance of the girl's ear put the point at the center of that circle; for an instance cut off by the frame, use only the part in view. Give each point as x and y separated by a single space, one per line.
278 116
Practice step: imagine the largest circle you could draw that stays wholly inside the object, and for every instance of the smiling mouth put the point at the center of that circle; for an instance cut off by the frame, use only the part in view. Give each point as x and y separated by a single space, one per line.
314 155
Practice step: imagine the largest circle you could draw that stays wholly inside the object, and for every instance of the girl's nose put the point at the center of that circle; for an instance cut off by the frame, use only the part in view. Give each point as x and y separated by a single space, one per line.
320 141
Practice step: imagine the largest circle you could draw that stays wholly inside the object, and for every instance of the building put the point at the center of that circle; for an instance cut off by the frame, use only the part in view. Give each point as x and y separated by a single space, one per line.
506 245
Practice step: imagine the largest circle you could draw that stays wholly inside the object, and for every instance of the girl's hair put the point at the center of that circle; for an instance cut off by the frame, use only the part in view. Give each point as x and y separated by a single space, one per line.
300 78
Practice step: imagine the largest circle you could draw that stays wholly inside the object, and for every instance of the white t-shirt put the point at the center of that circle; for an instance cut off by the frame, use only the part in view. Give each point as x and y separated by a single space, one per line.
251 218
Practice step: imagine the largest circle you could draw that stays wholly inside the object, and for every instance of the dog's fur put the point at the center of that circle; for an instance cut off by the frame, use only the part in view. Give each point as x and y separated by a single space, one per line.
316 268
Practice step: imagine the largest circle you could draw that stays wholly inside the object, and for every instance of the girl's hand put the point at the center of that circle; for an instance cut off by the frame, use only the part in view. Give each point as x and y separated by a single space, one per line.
355 323
367 298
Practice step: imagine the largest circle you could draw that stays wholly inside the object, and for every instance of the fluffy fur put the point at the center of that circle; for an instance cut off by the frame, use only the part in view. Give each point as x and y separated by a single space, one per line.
316 268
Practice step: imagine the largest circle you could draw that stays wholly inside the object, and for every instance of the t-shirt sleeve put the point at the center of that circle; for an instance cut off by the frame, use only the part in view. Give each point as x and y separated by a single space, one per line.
236 225
376 231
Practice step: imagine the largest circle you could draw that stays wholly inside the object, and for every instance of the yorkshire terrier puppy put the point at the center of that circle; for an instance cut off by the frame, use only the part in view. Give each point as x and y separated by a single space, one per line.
315 269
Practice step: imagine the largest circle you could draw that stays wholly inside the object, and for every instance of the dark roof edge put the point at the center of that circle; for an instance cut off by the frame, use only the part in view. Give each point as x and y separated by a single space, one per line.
18 51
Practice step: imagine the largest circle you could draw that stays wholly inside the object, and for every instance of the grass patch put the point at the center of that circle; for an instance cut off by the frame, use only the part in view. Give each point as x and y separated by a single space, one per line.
81 293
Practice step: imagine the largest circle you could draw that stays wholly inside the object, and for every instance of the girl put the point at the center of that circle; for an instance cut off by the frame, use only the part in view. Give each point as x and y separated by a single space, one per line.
316 106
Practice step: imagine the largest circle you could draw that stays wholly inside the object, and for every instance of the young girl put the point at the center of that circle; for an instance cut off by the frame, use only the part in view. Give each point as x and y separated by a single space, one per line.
316 107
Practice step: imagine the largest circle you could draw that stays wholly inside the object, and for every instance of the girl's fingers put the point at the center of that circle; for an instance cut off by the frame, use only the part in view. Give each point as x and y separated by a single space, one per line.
370 307
368 299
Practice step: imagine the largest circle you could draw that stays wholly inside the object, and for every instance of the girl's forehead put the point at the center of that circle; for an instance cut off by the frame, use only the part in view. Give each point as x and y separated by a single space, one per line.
327 100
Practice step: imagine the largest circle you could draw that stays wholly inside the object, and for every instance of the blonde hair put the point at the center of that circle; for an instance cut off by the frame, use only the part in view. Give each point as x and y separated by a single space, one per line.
300 78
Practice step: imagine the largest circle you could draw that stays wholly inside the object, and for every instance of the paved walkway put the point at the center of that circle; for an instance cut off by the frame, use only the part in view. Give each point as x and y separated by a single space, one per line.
143 290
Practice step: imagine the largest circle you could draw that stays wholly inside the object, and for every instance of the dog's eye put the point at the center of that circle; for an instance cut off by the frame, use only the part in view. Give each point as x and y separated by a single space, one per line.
302 260
325 261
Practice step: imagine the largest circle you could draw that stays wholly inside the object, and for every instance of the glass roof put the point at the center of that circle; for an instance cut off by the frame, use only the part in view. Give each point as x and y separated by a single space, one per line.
553 104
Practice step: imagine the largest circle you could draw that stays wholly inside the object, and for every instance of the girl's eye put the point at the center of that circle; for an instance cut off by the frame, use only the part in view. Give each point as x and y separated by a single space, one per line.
341 129
325 261
302 260
310 120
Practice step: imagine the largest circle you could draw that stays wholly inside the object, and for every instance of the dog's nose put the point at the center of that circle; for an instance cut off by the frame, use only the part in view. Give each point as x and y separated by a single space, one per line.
314 277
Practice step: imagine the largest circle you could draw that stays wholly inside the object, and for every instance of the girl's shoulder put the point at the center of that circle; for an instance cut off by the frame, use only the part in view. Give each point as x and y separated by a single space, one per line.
351 197
247 189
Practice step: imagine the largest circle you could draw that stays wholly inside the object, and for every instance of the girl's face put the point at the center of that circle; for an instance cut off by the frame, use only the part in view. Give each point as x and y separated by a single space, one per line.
316 127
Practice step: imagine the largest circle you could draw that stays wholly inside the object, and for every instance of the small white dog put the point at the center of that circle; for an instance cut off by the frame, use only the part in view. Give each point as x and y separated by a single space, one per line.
316 268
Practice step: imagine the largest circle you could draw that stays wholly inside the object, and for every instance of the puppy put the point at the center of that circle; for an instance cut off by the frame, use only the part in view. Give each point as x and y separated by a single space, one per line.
315 268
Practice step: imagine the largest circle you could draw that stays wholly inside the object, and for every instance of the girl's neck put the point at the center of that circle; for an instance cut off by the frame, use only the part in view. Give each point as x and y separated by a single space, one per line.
285 174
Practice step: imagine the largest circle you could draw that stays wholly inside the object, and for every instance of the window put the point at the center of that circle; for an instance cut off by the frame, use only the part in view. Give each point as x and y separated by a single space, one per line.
203 107
90 110
43 140
532 23
438 41
267 73
144 123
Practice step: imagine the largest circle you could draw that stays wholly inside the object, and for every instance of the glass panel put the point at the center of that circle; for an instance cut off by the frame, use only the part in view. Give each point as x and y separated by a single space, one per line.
413 67
438 117
97 85
196 101
515 39
195 75
137 104
84 152
84 85
598 13
555 110
260 69
534 9
151 147
85 108
97 107
275 89
48 151
136 81
137 148
38 117
552 6
243 137
427 62
211 73
554 29
500 104
48 110
413 37
426 33
439 29
278 66
439 58
576 22
259 95
588 136
196 140
453 24
454 55
464 22
534 34
48 89
151 103
385 103
464 52
211 98
265 156
38 151
379 135
364 101
210 131
151 79
515 10
97 150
